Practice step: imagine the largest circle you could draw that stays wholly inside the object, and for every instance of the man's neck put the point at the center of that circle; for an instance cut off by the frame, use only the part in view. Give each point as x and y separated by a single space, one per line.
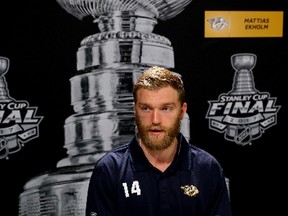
160 159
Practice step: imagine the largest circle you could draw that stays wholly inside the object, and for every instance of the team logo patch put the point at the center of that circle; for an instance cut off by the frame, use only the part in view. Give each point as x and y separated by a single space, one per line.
190 190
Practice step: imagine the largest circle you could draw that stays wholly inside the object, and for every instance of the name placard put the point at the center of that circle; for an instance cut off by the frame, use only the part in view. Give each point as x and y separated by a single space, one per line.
224 24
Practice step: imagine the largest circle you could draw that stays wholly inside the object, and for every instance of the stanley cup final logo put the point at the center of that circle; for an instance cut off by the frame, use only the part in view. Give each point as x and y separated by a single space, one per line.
18 123
243 113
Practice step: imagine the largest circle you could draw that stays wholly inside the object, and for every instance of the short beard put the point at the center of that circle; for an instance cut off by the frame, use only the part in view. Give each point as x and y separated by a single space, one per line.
155 142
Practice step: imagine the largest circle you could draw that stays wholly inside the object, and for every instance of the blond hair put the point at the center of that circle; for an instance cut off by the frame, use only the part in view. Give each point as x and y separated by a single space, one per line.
158 77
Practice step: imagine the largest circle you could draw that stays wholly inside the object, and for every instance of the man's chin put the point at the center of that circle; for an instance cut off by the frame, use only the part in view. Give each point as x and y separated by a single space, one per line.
156 138
153 139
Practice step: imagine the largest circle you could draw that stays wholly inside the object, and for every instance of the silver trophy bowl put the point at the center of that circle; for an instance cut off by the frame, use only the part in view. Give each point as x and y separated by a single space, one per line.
160 9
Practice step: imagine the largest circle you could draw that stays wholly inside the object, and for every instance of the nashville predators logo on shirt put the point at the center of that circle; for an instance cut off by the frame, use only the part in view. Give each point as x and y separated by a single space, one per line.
190 190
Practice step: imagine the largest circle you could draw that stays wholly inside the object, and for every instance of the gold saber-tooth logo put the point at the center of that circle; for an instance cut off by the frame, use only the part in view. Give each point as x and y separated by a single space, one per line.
190 190
218 23
18 123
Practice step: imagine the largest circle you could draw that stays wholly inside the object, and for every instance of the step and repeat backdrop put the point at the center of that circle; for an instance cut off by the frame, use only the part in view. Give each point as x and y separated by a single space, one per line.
67 68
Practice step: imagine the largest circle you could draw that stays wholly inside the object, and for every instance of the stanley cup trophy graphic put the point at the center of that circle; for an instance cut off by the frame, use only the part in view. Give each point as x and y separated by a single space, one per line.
244 113
108 64
243 84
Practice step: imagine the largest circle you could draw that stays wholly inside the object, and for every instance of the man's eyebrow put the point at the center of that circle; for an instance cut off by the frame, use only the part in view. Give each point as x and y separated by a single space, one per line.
169 103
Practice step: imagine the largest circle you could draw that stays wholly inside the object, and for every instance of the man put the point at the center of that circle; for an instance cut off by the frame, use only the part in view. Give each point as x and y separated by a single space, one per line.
158 173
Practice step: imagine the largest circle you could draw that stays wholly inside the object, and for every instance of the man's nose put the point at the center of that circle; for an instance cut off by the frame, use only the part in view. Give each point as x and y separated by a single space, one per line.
156 117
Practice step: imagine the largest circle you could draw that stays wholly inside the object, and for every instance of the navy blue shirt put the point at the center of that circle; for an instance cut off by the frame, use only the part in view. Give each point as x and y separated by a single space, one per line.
124 183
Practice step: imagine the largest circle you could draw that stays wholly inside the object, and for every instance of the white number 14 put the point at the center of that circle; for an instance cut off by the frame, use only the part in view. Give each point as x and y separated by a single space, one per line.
135 188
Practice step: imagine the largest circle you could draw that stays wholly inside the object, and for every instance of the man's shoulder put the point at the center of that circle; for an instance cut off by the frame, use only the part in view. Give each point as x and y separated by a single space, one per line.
116 155
201 155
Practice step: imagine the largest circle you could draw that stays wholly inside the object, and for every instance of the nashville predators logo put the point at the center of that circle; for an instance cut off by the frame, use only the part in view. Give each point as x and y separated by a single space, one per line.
218 23
190 190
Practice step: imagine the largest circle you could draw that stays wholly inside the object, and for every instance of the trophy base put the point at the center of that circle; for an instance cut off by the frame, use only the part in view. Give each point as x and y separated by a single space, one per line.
59 193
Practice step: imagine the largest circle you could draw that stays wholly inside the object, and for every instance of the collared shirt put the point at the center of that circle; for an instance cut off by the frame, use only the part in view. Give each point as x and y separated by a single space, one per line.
124 183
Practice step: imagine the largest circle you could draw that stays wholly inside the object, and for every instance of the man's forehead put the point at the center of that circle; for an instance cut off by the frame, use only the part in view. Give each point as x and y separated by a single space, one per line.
158 96
159 90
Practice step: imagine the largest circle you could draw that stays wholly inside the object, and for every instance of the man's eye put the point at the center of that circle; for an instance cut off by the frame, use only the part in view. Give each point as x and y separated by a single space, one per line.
145 109
167 109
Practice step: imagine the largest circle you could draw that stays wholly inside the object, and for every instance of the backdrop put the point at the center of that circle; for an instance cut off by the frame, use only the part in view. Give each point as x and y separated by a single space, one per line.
247 134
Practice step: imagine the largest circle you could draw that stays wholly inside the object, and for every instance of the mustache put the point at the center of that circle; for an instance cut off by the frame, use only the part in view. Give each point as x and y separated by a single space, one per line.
155 127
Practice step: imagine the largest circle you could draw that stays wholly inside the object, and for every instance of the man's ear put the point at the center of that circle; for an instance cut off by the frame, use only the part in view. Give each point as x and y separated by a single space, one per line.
183 109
